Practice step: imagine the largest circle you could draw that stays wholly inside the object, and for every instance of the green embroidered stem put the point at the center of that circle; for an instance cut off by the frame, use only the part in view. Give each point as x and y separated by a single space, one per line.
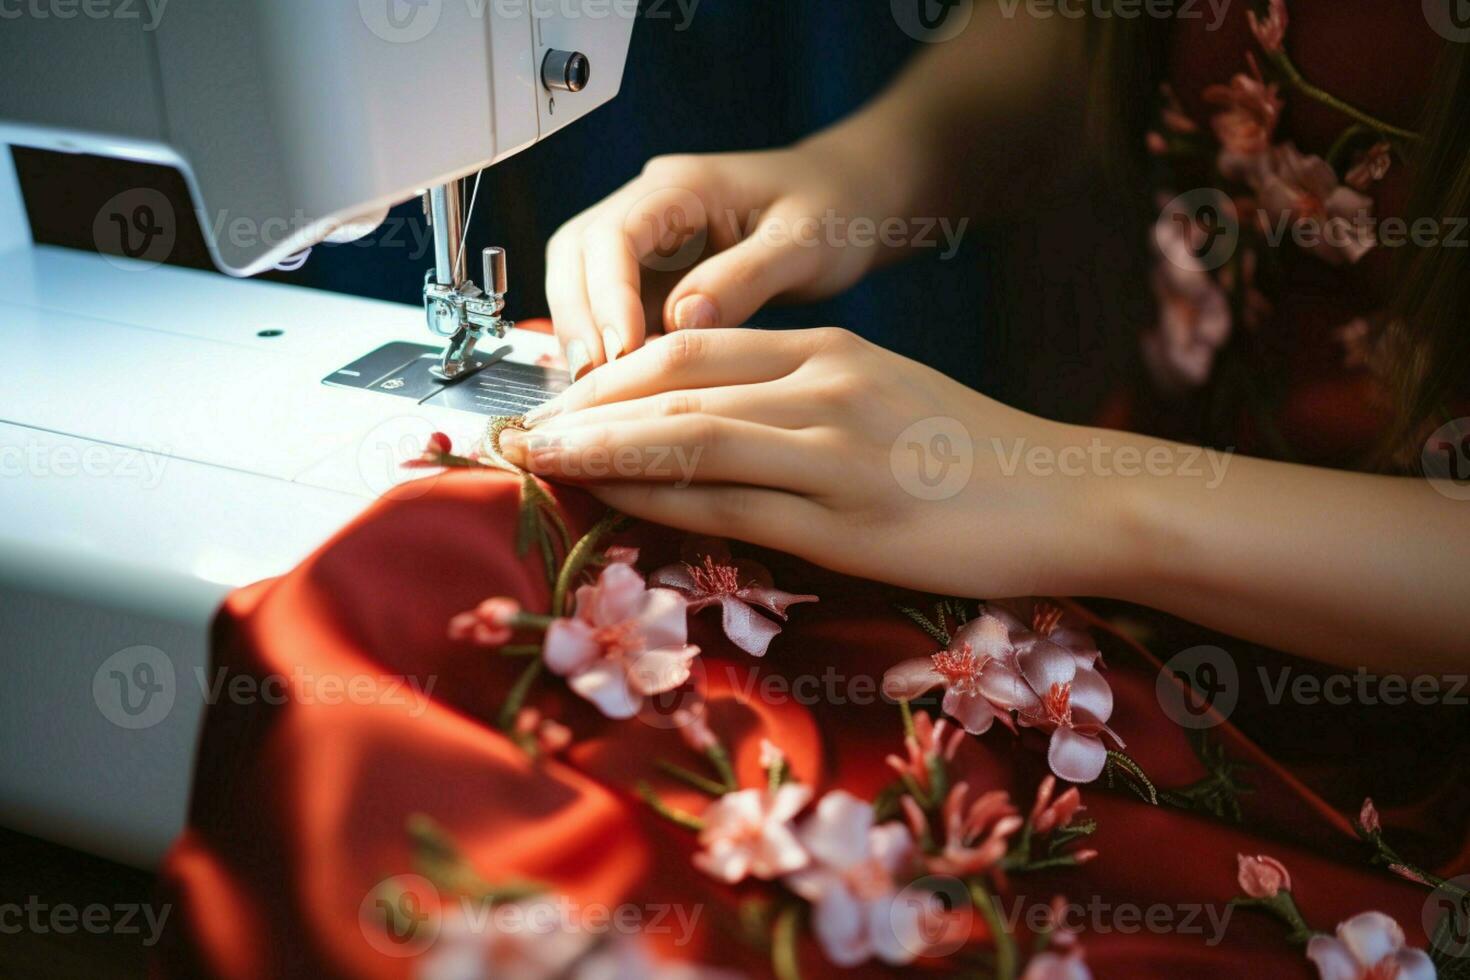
1300 83
578 558
908 718
517 696
686 820
1140 783
720 759
1005 944
784 963
694 779
520 650
923 623
1283 906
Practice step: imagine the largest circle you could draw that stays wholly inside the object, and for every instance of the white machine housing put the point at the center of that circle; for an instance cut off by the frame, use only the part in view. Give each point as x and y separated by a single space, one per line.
164 433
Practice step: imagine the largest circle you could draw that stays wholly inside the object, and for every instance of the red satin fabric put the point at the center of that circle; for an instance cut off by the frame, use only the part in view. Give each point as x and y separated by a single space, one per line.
300 809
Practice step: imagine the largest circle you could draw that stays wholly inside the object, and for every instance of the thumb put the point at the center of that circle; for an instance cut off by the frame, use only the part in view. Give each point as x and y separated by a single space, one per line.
728 288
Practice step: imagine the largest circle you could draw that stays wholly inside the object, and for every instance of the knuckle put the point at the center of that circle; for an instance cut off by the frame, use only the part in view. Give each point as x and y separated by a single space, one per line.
679 403
681 350
672 167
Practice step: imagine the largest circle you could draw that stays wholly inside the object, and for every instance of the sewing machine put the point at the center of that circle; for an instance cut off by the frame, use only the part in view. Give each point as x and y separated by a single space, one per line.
168 435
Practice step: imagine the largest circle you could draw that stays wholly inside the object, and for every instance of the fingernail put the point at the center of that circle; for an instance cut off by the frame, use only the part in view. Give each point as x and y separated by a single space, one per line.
612 344
695 313
578 359
542 413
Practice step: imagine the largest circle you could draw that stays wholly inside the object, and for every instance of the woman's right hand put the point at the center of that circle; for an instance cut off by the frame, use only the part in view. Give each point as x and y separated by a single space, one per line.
705 241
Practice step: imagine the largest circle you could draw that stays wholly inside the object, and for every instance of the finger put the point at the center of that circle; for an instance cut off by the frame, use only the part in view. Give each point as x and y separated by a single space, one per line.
566 295
680 450
758 516
771 403
614 281
685 360
728 288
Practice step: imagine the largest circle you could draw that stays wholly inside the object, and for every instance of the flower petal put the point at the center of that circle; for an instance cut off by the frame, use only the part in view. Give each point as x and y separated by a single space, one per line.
778 853
1091 694
675 576
911 679
1413 964
1333 959
838 923
789 800
1075 757
569 646
772 599
987 636
748 571
657 671
892 846
1046 664
1371 936
972 711
663 615
746 628
837 834
606 685
1005 688
619 595
893 927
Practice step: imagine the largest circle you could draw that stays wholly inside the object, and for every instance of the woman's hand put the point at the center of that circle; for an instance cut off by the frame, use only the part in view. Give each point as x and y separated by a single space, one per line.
705 241
824 445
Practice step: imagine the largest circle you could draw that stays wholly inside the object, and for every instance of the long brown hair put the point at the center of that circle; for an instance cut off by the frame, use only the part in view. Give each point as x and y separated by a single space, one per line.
1426 346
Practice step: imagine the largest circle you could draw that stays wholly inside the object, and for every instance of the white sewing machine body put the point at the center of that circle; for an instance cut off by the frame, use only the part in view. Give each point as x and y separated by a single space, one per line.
165 434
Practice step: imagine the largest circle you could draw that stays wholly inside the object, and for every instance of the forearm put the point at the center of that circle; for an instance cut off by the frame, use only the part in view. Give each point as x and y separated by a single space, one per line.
1350 569
965 129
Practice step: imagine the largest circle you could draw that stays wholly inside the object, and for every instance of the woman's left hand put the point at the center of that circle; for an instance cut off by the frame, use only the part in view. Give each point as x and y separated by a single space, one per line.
821 444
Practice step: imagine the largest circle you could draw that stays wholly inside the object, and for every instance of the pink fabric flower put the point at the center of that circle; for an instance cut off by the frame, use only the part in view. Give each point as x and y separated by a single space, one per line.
1332 220
694 729
988 671
1270 32
436 448
976 832
1056 966
1369 946
855 877
1261 876
1048 814
930 741
739 587
490 624
1252 109
549 736
1371 166
1176 120
626 642
1368 817
749 832
626 958
1194 312
530 940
